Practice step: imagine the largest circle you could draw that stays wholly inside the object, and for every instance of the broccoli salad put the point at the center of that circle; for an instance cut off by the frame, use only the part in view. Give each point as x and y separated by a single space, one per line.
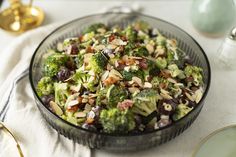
120 80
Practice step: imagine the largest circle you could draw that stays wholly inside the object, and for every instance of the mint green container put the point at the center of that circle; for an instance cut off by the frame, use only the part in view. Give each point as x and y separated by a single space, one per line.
213 17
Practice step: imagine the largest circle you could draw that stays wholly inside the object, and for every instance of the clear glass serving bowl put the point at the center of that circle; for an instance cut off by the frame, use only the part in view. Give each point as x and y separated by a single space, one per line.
117 142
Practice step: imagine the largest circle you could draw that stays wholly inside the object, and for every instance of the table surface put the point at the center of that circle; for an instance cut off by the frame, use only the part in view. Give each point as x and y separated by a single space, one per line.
219 105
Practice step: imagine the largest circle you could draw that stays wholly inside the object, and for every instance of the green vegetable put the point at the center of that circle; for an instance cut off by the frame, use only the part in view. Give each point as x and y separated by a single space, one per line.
161 40
145 102
155 82
140 52
45 86
181 111
98 62
53 63
161 63
127 75
129 47
61 93
94 28
130 33
195 72
115 94
175 71
117 121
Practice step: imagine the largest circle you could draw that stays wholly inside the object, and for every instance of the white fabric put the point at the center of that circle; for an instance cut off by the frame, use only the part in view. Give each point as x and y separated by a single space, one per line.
36 137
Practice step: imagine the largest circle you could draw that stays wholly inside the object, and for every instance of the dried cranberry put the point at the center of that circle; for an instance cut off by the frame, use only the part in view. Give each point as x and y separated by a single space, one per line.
63 74
143 64
74 50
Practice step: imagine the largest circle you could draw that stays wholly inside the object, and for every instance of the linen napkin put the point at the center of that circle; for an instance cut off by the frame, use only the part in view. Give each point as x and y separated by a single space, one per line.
23 118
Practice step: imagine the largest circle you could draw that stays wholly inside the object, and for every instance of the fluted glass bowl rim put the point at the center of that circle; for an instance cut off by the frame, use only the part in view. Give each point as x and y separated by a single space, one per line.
118 134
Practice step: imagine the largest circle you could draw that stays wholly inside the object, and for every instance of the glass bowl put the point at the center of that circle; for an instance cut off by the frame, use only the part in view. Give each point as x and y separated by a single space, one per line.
117 142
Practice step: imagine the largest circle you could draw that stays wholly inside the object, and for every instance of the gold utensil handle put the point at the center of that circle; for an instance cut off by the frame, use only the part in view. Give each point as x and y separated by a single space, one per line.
2 126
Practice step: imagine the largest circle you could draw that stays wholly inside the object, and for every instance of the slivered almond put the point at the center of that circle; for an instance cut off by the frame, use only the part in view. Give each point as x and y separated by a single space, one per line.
137 80
133 90
80 114
147 85
150 48
56 108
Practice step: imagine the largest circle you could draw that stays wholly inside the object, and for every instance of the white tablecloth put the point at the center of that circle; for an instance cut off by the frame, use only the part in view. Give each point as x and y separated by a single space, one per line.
219 109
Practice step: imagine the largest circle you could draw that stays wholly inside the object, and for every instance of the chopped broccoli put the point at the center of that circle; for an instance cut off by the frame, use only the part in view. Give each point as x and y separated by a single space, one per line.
101 95
153 69
181 111
129 47
161 40
115 94
94 28
139 52
175 71
127 75
161 63
130 33
98 62
145 102
117 121
155 82
195 72
45 86
61 93
53 63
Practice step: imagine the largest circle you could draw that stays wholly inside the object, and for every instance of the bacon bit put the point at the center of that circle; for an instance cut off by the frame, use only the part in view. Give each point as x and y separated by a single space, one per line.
130 61
89 49
165 74
80 99
112 37
81 38
89 120
126 104
110 80
123 38
73 108
163 85
143 64
91 101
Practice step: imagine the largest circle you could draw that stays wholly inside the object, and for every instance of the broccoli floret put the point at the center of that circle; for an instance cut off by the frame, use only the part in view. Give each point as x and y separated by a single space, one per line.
181 111
161 40
117 121
195 72
45 86
94 28
145 102
61 93
155 82
127 75
175 71
139 52
53 63
115 94
161 63
130 33
129 47
153 70
98 62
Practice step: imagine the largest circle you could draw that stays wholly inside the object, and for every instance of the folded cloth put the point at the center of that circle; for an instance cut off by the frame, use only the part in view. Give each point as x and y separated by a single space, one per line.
35 136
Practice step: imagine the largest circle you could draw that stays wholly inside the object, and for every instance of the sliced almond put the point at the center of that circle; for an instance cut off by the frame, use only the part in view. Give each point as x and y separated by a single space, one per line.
80 114
56 108
110 46
133 90
189 96
118 42
87 57
198 95
171 80
137 80
150 48
105 75
73 103
116 73
99 47
147 85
